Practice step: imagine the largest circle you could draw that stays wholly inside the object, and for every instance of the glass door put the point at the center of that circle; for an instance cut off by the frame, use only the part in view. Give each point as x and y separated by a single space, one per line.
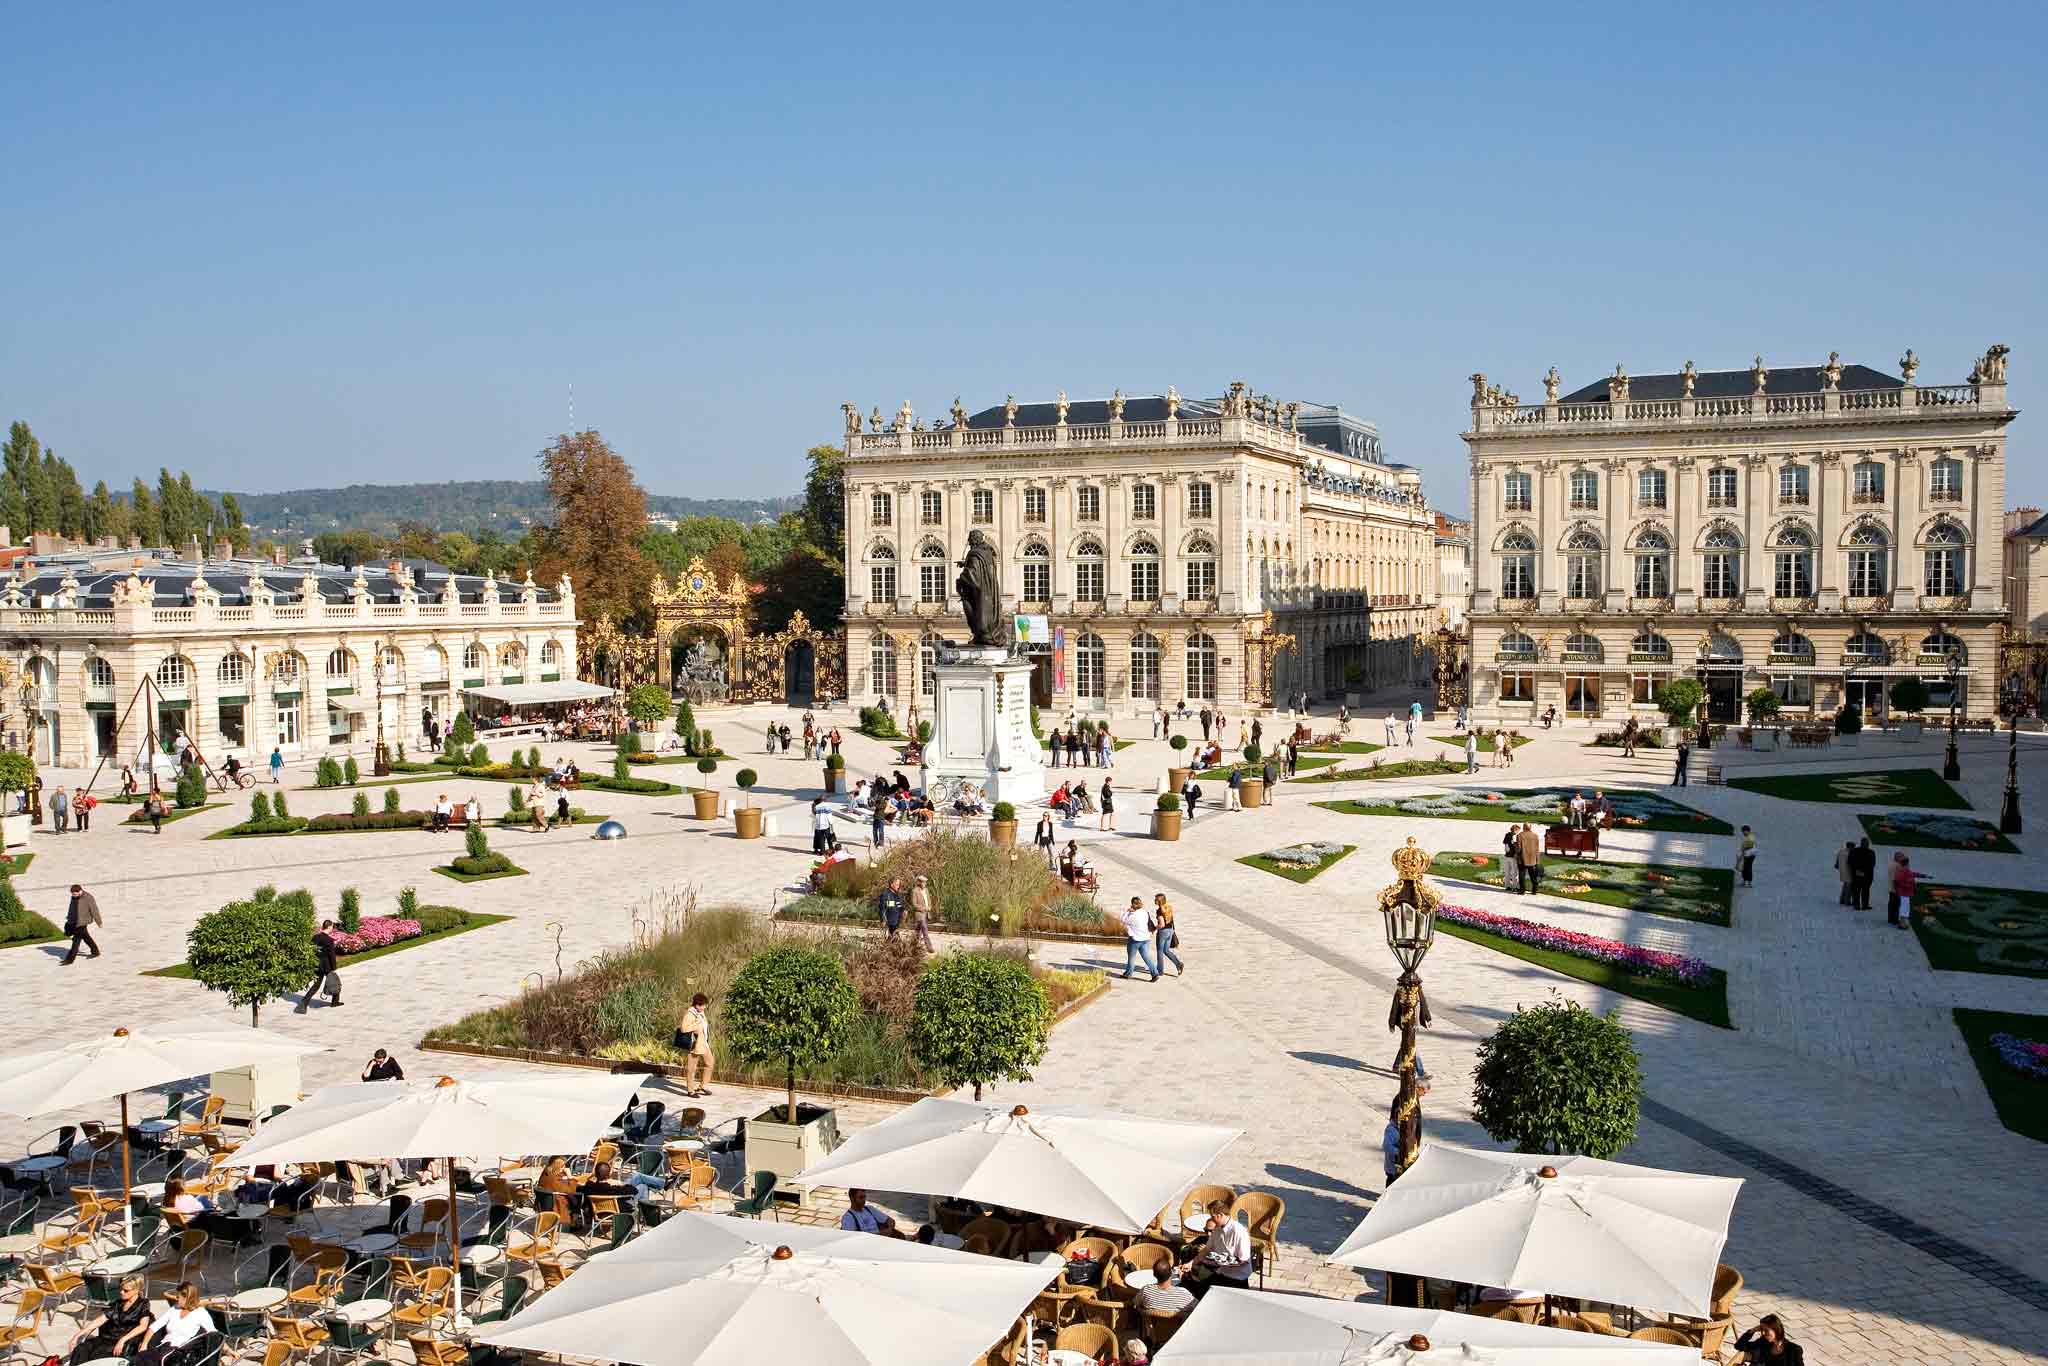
1582 694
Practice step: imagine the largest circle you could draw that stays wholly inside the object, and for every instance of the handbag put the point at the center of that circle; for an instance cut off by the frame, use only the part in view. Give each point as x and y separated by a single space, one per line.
686 1041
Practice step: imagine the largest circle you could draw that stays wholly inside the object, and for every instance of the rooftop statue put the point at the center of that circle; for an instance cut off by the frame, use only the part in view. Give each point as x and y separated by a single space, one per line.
1550 383
1690 376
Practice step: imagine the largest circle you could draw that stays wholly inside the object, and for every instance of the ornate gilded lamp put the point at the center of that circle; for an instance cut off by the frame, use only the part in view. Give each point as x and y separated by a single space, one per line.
1409 906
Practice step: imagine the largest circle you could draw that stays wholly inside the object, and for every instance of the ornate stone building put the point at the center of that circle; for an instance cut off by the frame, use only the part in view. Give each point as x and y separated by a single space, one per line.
1819 530
245 655
1229 550
1453 570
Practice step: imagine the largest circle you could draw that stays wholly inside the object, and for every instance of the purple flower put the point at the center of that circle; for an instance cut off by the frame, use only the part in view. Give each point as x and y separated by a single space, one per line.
1674 967
2028 1057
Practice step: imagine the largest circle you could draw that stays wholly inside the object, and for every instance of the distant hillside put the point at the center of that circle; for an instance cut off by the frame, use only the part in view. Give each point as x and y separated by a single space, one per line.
504 505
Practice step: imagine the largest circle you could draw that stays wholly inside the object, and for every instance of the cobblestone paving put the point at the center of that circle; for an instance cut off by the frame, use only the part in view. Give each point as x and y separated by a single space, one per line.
1886 1213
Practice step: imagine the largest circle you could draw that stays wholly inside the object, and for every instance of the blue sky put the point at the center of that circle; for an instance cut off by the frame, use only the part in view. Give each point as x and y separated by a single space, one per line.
290 246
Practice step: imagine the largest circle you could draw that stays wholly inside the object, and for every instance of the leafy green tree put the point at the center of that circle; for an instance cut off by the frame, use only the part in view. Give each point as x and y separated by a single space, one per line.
255 951
979 1018
1556 1078
39 492
232 525
791 1005
19 924
144 517
21 454
391 806
69 497
648 704
191 789
824 513
351 916
1680 698
17 772
1909 694
99 512
1763 706
360 804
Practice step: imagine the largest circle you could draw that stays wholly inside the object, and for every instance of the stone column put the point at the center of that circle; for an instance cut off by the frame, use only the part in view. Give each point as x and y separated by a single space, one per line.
1830 508
1485 564
1685 518
1116 570
1756 556
1908 476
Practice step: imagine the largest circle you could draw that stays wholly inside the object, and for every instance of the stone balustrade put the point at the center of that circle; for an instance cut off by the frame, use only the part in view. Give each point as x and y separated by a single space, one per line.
1829 405
148 618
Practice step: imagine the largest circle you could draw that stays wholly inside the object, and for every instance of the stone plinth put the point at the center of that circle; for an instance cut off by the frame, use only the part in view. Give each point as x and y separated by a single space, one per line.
981 728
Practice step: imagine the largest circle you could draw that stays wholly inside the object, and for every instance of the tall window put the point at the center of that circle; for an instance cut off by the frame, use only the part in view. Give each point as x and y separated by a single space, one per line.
1869 483
1201 666
1582 565
1088 572
285 673
1037 572
1517 648
340 665
1144 502
172 673
881 508
1585 490
100 674
1034 505
1090 667
1201 499
233 672
1937 646
1088 503
1517 566
1793 484
1650 488
551 655
1869 562
1792 568
1653 565
931 572
983 502
1863 648
1517 492
512 660
1145 666
1580 648
1945 480
882 667
1722 566
1944 561
931 507
1649 648
1144 570
928 666
473 659
1721 487
1201 566
1791 648
882 573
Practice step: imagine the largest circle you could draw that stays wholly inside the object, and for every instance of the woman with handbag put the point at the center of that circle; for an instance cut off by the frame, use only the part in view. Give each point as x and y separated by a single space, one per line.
1165 938
693 1041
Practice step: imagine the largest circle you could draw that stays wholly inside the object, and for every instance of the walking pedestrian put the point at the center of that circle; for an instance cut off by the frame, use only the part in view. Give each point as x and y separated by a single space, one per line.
1390 730
1530 852
60 810
1845 869
1107 744
1414 713
693 1041
1074 750
1044 838
1628 739
79 918
127 781
1108 807
890 904
1511 861
1411 732
1165 938
1904 879
1343 719
1155 725
1257 730
1293 758
1471 752
81 809
878 815
153 807
327 974
1231 799
835 737
921 913
1206 719
1506 741
276 766
1865 871
1054 745
1138 939
1745 858
1190 797
1679 775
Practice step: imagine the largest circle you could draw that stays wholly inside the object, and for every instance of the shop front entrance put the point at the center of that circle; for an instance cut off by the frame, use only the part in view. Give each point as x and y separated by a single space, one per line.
1724 694
1582 694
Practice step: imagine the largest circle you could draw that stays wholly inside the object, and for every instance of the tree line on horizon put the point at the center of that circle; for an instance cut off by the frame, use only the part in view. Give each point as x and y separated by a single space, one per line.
40 492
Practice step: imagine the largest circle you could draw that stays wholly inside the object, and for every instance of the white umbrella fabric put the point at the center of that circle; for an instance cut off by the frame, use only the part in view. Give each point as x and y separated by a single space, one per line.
1080 1164
61 1075
711 1290
1574 1226
550 1114
1246 1328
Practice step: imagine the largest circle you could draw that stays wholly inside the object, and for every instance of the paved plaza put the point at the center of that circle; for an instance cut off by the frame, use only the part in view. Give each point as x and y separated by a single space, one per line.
1887 1214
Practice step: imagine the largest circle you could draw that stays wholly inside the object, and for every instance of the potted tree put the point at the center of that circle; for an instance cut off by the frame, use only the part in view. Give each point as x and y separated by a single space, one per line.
1002 825
705 798
835 774
1678 700
1849 726
1177 775
746 820
1251 789
1910 694
1166 817
1763 706
17 774
979 1018
791 1007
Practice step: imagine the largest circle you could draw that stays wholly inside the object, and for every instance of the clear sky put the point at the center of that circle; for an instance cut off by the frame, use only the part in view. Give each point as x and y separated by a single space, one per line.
314 245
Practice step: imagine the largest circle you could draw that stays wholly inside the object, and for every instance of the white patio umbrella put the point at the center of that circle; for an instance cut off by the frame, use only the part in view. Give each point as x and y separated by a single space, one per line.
1077 1163
61 1075
1572 1226
549 1113
711 1290
1246 1328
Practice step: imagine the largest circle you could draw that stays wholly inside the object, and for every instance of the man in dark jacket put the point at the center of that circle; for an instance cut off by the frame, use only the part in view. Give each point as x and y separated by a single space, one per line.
79 918
890 902
1862 872
328 971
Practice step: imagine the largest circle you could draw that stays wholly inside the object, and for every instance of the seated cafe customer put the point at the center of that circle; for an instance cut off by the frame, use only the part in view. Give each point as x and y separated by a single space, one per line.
1166 1295
119 1334
1767 1345
1226 1258
861 1217
176 1336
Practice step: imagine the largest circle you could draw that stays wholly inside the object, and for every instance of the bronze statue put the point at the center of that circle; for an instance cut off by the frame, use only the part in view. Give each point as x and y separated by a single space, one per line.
980 592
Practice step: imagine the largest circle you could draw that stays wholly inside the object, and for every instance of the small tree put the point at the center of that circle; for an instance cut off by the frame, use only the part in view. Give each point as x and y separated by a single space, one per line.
1556 1078
408 903
391 807
1763 706
1251 754
791 1005
924 732
1178 743
17 772
259 807
979 1018
479 757
277 806
648 704
1909 694
1679 699
628 743
463 731
1168 801
621 770
191 790
351 916
533 759
707 766
327 773
744 780
1849 720
350 772
257 950
686 726
361 805
515 802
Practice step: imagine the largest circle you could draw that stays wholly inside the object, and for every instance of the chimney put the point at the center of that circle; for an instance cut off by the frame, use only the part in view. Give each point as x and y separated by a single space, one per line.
134 541
277 554
223 548
2016 520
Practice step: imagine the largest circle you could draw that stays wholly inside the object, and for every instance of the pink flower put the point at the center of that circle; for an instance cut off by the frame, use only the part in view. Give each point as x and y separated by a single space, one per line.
375 932
1675 967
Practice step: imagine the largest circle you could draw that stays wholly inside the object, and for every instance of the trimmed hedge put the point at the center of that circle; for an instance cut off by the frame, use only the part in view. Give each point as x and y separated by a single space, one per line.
375 820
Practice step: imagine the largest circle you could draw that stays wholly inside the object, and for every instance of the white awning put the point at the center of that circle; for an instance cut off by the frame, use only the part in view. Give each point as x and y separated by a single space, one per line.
538 694
348 702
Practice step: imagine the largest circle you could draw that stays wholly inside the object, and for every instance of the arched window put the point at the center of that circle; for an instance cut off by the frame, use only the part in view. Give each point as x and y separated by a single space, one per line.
931 572
1650 648
340 664
882 572
550 655
1869 562
473 659
173 675
1201 569
233 671
1201 681
1939 646
1517 566
1145 666
512 658
100 674
1516 645
1144 570
1580 648
1582 565
1037 571
1088 571
1865 648
286 670
1721 648
1793 648
1090 667
1721 565
882 666
434 663
1653 564
393 664
1792 564
1944 561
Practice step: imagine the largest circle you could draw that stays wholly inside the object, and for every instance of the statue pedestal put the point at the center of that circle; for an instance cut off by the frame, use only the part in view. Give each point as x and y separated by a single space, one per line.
981 728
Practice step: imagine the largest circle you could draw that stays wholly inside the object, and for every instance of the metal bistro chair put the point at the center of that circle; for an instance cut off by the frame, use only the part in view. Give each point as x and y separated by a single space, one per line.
298 1335
27 1326
437 1300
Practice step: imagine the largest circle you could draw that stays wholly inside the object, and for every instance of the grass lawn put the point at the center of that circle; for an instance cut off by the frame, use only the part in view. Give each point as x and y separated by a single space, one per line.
29 929
1343 747
399 776
476 922
1999 930
639 787
1400 768
1264 864
1682 893
1708 1004
2021 1101
1662 813
174 814
1906 829
448 871
1890 787
1486 745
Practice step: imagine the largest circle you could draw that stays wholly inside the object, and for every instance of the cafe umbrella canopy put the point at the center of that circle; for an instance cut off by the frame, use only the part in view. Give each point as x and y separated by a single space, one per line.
59 1076
373 1121
1076 1163
1245 1328
1570 1226
713 1290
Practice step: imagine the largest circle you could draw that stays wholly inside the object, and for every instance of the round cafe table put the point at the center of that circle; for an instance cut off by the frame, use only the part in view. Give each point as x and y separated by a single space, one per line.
259 1298
360 1312
479 1255
252 1211
1064 1356
119 1265
370 1244
1198 1222
156 1126
151 1191
1137 1278
683 1145
522 1176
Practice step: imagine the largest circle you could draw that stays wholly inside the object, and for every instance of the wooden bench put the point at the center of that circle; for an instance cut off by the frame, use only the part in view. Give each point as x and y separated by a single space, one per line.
1563 839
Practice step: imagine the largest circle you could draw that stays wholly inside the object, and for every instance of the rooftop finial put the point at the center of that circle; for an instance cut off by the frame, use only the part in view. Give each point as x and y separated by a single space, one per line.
1909 365
1550 383
1759 374
1690 376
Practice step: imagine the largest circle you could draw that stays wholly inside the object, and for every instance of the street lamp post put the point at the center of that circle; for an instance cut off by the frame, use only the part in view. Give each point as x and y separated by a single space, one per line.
1952 765
1408 906
2016 699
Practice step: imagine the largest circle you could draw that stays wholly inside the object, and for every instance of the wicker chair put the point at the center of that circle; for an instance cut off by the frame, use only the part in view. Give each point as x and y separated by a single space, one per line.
1091 1338
208 1121
330 1269
436 1351
1159 1326
546 1229
28 1313
52 1283
1727 1282
298 1335
436 1300
1198 1200
1514 1311
1262 1213
1657 1332
1148 1256
995 1232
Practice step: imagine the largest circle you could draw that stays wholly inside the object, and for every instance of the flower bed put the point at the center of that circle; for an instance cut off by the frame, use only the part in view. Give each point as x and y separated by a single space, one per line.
971 881
1683 893
1633 809
1965 928
2012 1062
1634 959
1298 862
1933 830
375 932
1889 787
2028 1057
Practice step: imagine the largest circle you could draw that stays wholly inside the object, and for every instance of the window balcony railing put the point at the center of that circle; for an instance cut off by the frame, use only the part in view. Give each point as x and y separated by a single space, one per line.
1517 505
1585 505
1651 501
1793 498
1866 604
1660 604
1720 500
1867 496
1944 495
1802 602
